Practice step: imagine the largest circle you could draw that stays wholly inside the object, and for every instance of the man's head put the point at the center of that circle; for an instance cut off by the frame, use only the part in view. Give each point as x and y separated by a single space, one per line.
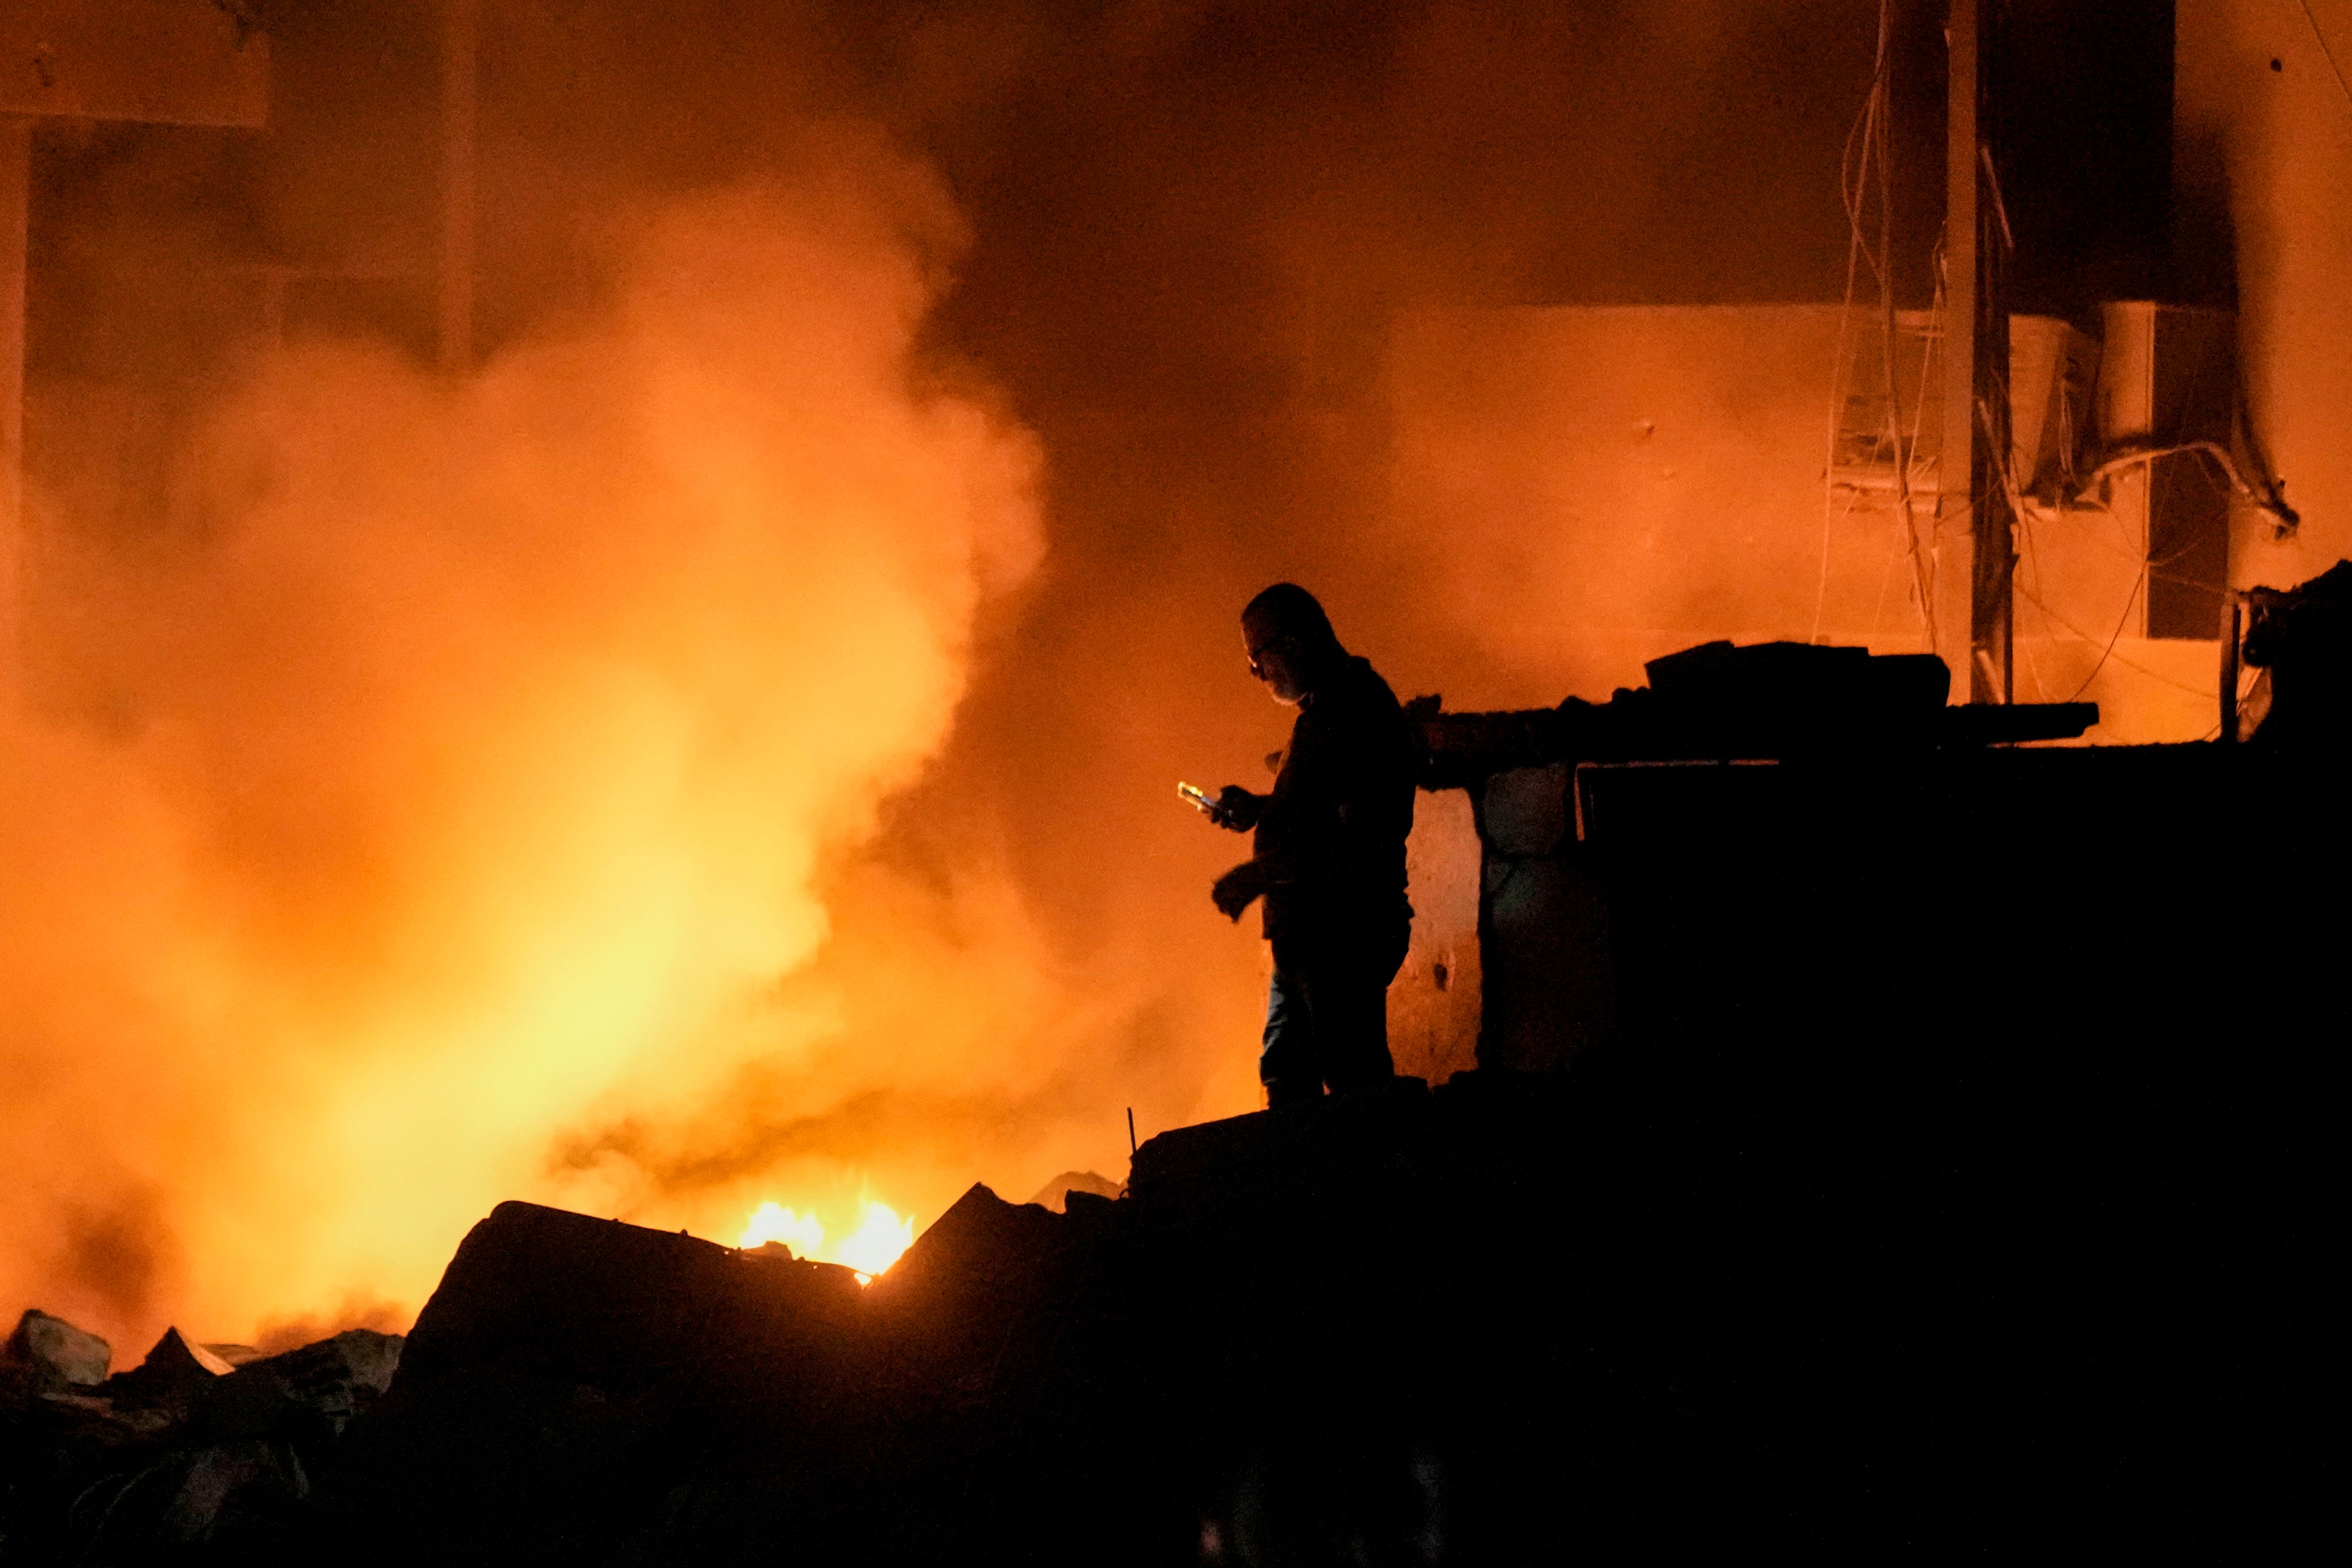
1289 641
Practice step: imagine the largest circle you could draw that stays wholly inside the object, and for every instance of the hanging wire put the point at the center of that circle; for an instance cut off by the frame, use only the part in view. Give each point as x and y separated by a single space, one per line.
1850 178
2021 520
1868 151
2030 557
2107 652
1903 449
2110 655
1922 564
2328 54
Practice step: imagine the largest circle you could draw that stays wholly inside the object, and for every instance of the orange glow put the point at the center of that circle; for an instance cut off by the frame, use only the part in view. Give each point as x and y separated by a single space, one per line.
450 803
804 1234
876 1244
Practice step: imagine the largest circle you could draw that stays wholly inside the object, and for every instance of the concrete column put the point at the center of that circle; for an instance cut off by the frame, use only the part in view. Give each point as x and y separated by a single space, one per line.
1955 465
460 39
16 206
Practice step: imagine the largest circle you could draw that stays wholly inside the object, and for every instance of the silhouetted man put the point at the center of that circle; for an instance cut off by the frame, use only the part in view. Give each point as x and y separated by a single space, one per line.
1329 858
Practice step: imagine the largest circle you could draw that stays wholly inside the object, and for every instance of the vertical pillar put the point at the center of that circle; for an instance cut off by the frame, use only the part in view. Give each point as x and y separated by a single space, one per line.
16 211
2233 633
1956 462
1974 533
460 44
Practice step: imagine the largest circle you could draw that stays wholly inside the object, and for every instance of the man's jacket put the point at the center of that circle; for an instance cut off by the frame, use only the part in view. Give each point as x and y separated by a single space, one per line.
1332 835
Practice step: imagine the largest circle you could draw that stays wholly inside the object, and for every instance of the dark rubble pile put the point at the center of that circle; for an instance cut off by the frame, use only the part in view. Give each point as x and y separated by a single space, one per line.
1954 1185
191 1455
1502 1322
1317 1335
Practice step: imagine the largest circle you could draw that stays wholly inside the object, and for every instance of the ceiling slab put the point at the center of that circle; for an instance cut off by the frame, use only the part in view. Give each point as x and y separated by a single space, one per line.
174 62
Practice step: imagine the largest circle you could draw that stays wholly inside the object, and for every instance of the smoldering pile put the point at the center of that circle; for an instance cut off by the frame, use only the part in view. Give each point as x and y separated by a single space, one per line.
1259 1350
198 1444
1677 1301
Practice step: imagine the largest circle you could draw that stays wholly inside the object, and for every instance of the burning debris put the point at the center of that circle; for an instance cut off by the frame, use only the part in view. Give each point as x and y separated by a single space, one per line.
187 1453
53 1355
603 755
1773 1261
1055 1194
871 1247
2301 640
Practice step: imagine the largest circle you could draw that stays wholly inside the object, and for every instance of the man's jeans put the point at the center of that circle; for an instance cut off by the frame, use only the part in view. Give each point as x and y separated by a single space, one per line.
1327 1018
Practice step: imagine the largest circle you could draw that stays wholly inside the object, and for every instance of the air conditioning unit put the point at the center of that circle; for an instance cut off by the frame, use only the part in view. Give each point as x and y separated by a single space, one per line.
2053 367
1884 432
2146 553
2168 375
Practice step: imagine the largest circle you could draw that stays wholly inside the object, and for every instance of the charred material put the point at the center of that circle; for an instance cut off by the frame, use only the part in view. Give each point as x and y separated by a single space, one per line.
2302 639
1830 1244
1549 909
1846 1234
49 1356
570 1374
1716 701
184 1458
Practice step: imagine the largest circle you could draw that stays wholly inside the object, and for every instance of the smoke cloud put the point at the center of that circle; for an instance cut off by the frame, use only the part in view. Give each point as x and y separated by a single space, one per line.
723 750
459 761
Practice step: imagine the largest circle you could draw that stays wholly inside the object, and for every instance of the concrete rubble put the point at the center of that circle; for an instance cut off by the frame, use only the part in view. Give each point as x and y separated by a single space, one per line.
1054 1195
184 1458
55 1354
1509 1320
1897 1215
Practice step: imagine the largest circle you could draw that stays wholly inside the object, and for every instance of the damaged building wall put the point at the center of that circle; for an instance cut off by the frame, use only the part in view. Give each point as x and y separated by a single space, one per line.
1553 946
2263 158
1662 465
1666 466
1668 469
1433 1002
1543 925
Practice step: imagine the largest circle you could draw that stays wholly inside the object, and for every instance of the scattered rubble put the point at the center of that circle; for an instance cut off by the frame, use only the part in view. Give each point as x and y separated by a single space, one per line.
175 1373
186 1456
1051 1195
56 1354
1777 700
2301 638
1831 1250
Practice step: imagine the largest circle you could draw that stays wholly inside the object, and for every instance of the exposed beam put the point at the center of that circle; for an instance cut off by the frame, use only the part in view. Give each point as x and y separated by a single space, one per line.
15 203
172 62
1975 533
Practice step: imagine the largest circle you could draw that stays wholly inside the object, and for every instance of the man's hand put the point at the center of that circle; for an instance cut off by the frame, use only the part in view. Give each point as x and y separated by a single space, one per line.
1237 809
1237 887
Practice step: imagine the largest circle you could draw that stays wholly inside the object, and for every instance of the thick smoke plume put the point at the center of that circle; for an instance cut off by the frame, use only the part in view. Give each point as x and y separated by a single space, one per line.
459 761
665 771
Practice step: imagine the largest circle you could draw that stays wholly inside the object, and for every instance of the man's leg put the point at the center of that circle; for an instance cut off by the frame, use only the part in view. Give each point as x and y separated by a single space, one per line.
1290 1065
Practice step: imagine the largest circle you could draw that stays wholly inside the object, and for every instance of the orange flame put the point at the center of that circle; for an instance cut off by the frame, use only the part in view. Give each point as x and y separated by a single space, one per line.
804 1234
881 1237
483 754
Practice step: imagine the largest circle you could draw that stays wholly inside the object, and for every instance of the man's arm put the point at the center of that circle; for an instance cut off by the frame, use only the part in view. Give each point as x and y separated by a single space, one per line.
1241 886
1236 809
